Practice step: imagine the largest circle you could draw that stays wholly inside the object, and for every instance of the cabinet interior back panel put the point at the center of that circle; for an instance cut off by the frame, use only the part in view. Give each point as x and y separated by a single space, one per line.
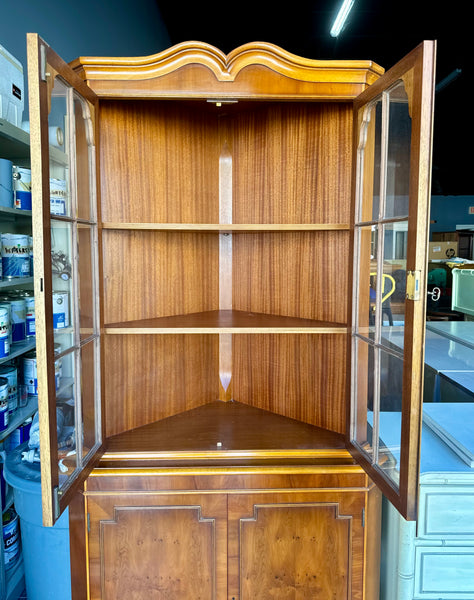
158 163
298 376
300 274
292 163
151 377
150 274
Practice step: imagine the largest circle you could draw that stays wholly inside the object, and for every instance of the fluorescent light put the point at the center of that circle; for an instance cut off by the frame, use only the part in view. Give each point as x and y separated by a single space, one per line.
341 17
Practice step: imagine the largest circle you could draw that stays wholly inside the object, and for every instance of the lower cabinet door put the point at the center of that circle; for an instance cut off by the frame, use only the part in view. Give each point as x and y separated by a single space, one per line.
163 547
296 546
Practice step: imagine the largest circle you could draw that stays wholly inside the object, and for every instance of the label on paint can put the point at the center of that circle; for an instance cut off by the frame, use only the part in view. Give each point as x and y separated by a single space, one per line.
3 403
11 538
11 375
60 310
30 317
57 195
4 331
15 255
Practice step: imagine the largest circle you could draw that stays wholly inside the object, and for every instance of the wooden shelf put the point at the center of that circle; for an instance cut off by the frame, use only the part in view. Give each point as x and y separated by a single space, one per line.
225 321
229 227
227 430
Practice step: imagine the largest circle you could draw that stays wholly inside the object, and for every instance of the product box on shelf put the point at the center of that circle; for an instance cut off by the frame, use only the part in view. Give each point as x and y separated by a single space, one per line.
12 88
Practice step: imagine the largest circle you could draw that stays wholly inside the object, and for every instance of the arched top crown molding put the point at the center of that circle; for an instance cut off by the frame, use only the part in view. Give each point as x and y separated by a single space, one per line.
227 67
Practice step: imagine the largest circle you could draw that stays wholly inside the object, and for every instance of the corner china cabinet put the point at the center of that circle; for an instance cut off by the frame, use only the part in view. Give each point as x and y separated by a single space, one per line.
229 221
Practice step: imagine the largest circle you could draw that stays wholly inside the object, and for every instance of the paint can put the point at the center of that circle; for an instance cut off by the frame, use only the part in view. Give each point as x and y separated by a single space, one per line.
60 310
15 255
29 374
30 316
11 375
58 366
11 537
5 303
18 322
20 435
4 331
30 253
22 188
57 196
6 183
3 403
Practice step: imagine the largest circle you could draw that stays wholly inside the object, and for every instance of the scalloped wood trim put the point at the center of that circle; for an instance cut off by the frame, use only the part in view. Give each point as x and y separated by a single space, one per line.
227 68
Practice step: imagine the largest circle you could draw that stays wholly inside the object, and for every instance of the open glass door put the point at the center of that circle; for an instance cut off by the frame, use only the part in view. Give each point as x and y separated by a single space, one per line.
393 130
65 242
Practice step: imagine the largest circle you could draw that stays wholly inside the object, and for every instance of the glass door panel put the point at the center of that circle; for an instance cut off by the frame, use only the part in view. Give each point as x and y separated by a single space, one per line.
393 160
62 110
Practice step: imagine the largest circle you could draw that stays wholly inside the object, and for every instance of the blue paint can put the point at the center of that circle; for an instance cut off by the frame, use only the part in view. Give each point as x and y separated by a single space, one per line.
22 188
11 538
3 403
6 183
29 373
11 375
15 255
4 331
60 310
18 323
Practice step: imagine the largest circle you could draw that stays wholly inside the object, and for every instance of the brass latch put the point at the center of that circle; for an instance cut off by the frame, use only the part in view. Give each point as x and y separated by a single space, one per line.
413 285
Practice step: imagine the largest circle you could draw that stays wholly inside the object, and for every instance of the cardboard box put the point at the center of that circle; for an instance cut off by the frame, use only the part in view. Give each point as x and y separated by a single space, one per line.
442 250
11 88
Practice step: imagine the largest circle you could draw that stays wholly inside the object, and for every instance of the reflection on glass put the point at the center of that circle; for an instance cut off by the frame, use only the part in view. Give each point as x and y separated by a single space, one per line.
364 396
86 282
369 162
58 141
398 153
393 285
65 414
389 445
89 361
367 243
83 142
61 257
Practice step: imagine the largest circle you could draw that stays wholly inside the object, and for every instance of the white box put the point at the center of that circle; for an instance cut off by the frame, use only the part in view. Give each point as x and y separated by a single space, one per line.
12 88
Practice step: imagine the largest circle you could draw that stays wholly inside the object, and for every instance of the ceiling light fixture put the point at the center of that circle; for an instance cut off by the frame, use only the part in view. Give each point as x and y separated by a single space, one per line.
341 17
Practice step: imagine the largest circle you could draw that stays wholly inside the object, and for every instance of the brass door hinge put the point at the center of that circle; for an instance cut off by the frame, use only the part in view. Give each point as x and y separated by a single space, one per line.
413 285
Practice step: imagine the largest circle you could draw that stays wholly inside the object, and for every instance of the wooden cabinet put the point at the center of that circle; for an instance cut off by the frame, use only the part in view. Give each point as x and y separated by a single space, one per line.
221 534
225 341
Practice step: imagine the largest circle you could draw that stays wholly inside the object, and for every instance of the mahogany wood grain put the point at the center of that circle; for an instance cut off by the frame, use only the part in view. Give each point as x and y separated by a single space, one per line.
292 274
308 146
158 163
150 377
299 376
158 274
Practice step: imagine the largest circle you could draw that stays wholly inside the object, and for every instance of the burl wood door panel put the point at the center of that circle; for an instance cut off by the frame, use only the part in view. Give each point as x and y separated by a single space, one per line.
157 547
296 548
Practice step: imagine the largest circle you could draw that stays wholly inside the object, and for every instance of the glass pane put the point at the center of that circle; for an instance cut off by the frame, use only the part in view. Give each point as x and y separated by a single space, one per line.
398 153
367 244
84 160
364 396
61 258
393 287
89 396
86 282
369 154
390 433
65 414
58 143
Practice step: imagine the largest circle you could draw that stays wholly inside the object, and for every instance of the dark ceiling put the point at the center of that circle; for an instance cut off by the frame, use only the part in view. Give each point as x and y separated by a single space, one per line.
379 30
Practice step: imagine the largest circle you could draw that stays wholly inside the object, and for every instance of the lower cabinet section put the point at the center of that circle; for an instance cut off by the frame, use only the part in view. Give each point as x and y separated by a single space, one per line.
217 535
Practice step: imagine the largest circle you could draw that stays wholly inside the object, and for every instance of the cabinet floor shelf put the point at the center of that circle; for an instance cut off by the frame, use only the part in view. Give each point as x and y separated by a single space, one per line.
20 415
227 432
225 321
16 282
229 227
